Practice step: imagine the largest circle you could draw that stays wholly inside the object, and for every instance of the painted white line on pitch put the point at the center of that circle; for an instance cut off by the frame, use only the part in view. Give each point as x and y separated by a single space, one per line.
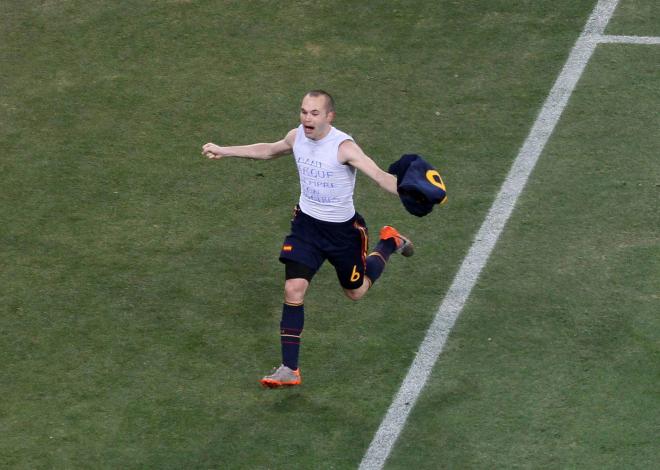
612 39
485 240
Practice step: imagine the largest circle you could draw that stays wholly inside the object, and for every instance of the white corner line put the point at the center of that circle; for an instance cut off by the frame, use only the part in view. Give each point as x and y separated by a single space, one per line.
485 239
613 39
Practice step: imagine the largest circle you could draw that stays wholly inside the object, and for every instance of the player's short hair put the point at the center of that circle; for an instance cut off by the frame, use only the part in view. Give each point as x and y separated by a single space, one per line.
329 100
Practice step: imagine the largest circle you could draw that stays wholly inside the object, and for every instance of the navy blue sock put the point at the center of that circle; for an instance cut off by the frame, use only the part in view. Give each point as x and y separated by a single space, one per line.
291 327
377 260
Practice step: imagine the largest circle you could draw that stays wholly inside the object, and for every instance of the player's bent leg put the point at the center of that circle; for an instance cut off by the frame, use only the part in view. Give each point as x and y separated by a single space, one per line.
402 244
391 241
357 294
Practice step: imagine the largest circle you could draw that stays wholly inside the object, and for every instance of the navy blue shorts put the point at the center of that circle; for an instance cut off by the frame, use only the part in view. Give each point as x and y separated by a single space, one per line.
344 244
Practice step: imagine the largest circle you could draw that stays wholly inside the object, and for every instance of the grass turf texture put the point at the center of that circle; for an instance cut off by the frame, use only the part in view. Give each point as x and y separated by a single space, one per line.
554 362
140 288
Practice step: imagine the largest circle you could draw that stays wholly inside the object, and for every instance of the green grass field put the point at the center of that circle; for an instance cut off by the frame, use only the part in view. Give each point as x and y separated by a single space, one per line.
140 291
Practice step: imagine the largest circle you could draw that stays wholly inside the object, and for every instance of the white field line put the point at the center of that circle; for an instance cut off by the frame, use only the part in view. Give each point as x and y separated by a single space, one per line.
611 39
459 291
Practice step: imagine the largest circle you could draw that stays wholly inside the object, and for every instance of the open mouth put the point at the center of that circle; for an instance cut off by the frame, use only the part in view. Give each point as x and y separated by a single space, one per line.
309 128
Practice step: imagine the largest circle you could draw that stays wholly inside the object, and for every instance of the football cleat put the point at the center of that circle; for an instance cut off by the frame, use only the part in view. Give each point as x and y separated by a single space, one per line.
403 244
282 376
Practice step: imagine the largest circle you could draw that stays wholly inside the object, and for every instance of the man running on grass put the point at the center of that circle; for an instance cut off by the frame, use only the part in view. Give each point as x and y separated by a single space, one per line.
325 224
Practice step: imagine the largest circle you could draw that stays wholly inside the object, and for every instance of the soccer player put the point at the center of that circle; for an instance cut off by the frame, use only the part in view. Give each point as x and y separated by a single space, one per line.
325 224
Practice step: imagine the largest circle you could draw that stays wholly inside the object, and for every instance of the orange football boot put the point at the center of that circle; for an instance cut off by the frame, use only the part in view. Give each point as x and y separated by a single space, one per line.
403 244
282 377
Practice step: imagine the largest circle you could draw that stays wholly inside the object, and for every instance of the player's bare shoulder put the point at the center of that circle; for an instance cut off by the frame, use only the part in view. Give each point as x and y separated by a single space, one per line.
350 152
290 137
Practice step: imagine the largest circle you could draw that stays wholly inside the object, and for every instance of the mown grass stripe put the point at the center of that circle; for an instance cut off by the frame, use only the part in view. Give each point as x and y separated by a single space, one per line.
493 225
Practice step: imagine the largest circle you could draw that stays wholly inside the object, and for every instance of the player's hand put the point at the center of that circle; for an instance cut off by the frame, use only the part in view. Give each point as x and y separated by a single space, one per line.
212 151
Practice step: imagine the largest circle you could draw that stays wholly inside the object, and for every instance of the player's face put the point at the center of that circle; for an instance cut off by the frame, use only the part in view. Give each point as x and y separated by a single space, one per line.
315 118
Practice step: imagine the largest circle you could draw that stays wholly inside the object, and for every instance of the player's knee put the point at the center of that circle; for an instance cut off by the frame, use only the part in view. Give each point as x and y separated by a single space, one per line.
294 290
354 294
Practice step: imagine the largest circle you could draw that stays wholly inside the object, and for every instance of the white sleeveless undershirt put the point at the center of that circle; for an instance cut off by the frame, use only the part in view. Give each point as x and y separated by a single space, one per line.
326 185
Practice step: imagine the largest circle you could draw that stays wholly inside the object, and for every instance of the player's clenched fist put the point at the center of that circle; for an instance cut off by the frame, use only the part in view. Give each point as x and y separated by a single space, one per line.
212 151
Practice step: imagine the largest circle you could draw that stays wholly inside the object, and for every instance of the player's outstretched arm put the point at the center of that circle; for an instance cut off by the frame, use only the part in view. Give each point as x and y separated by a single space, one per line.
261 151
351 154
